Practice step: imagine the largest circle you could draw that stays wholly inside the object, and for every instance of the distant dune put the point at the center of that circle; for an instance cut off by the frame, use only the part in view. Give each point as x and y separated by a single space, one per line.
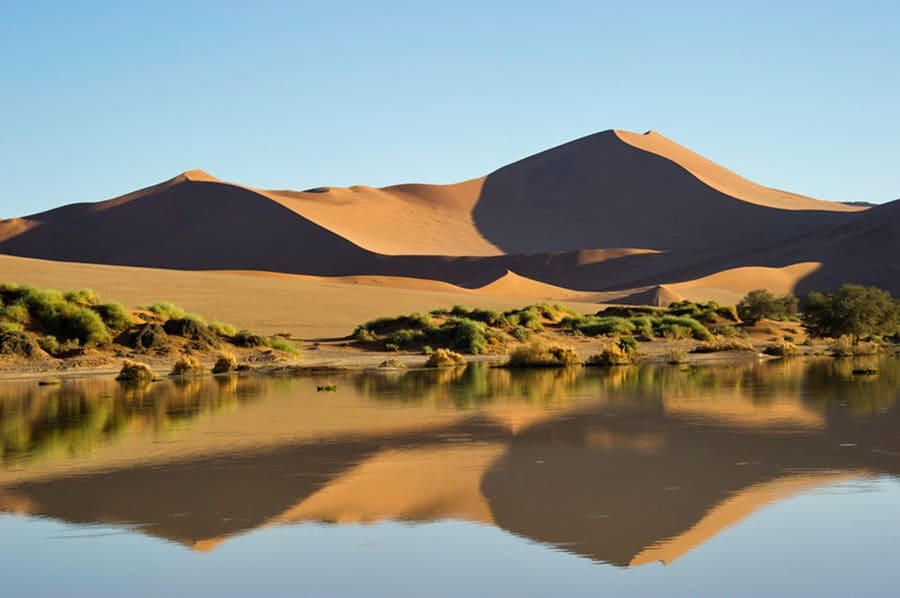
614 214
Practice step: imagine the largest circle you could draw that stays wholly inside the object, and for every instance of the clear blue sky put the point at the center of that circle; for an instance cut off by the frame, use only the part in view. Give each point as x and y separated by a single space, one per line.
97 99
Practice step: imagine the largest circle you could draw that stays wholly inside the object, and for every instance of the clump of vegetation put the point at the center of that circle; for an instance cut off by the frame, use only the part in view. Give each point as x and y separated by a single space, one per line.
676 355
280 344
134 371
445 358
166 311
146 336
854 310
461 328
222 329
759 304
781 348
728 344
70 315
393 364
645 326
710 312
245 338
114 315
17 343
187 365
847 346
542 354
623 352
225 362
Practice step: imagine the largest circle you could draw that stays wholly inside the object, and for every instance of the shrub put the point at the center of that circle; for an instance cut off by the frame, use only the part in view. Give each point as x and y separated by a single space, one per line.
521 334
394 364
146 336
187 365
49 344
443 358
760 304
542 354
676 355
643 326
114 315
245 338
599 326
16 313
222 329
462 334
846 346
715 346
407 337
17 343
611 354
133 371
854 310
286 346
225 363
672 324
166 311
83 297
781 349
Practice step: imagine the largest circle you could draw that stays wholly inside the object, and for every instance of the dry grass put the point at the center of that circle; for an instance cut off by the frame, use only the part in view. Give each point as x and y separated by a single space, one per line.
542 354
225 363
445 358
134 371
187 366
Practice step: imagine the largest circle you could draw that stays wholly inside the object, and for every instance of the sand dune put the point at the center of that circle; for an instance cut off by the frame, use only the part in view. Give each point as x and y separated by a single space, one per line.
730 285
615 212
724 180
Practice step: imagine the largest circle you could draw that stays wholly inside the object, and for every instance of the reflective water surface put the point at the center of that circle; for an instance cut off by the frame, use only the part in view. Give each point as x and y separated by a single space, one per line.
777 478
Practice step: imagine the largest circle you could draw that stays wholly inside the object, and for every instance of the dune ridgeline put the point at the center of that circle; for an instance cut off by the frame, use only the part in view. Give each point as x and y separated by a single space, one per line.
614 216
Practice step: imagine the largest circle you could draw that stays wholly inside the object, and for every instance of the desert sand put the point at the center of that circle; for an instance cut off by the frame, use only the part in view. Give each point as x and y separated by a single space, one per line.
606 217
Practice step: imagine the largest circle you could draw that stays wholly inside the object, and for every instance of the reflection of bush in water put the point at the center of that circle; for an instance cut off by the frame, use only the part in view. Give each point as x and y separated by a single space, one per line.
833 380
81 415
476 384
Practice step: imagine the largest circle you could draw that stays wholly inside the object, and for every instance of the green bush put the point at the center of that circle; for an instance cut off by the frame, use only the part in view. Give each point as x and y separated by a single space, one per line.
280 344
760 304
84 297
222 329
166 311
854 310
114 315
245 338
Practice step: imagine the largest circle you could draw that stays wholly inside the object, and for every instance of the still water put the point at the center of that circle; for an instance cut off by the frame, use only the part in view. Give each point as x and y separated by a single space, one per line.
777 478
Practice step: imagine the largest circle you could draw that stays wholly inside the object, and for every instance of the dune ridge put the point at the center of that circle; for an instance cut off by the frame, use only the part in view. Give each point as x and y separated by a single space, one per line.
614 214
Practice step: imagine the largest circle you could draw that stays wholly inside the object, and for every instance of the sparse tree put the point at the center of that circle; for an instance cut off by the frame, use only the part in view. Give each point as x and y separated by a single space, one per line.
760 304
855 310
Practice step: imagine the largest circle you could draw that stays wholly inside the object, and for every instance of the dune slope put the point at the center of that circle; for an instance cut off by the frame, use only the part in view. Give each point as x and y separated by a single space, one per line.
611 212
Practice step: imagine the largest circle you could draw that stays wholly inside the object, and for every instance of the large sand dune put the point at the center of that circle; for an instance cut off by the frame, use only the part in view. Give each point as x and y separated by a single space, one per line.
612 212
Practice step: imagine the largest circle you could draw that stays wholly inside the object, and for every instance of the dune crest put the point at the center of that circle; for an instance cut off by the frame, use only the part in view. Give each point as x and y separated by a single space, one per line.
726 181
611 216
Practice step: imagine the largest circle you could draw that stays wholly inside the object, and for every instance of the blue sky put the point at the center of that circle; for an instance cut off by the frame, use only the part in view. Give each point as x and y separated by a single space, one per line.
98 99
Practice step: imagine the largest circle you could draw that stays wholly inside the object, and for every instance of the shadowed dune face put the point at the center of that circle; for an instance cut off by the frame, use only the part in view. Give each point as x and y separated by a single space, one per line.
188 225
611 212
600 192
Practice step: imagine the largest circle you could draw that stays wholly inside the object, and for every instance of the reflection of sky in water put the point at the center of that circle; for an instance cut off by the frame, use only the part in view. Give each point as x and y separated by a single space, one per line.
837 541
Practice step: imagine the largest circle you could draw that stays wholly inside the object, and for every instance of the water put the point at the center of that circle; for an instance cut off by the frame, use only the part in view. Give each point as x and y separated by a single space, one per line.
778 478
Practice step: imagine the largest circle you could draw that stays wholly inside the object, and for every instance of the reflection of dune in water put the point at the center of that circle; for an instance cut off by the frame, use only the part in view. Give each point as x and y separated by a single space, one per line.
406 485
736 508
540 454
